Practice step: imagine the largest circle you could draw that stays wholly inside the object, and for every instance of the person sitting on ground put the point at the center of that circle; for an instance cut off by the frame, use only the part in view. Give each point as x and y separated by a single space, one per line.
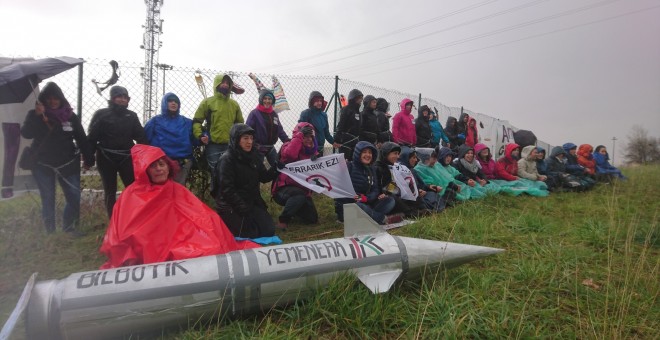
428 197
541 167
444 174
368 195
446 189
603 166
387 156
495 173
509 162
439 136
172 132
316 116
527 167
472 133
157 219
574 168
472 175
555 166
238 193
585 158
267 126
403 128
423 128
295 198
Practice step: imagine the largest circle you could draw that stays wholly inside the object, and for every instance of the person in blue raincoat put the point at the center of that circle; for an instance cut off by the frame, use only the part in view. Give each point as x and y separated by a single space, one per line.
172 132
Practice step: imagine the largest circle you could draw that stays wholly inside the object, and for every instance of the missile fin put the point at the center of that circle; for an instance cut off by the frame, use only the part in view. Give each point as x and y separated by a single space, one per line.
379 282
358 223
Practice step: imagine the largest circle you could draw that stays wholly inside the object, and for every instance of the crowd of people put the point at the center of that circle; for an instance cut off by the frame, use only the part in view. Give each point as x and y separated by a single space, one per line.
449 165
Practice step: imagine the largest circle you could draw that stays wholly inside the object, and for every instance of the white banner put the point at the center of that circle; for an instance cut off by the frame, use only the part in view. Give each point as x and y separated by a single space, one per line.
405 180
326 175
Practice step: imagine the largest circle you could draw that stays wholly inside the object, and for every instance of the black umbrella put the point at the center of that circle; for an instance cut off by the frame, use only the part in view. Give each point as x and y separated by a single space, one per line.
20 79
524 138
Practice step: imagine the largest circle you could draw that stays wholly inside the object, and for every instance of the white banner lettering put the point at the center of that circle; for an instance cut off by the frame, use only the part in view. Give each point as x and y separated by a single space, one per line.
327 175
405 180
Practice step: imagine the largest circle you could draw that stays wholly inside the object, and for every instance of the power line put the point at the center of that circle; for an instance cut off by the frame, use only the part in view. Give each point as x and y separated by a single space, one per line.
469 22
514 41
407 28
472 38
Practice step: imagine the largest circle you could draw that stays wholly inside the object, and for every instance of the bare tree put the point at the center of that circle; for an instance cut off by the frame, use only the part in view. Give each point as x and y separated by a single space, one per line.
642 148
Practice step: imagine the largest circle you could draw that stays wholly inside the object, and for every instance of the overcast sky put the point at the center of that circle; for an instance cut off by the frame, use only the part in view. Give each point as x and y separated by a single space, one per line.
581 71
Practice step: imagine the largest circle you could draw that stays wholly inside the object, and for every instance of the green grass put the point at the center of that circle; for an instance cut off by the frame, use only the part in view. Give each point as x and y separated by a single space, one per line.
533 290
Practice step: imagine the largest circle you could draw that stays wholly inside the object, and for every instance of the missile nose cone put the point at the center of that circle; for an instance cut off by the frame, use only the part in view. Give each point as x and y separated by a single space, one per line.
422 253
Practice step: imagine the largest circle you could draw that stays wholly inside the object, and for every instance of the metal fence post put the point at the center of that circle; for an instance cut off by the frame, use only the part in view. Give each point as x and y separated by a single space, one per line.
419 101
80 90
336 95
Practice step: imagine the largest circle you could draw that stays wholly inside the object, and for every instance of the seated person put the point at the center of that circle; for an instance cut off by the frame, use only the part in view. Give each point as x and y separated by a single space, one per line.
427 197
437 170
237 192
541 168
368 195
509 162
295 198
470 168
555 166
387 156
585 158
603 166
156 219
445 189
496 173
574 168
527 166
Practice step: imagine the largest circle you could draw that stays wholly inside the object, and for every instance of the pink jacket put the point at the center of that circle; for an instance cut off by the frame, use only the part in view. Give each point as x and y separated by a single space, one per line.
293 151
403 128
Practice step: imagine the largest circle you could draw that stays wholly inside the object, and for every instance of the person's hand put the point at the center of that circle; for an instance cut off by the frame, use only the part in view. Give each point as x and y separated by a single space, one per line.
471 182
336 145
459 189
356 198
280 165
39 108
314 157
381 196
204 139
378 145
543 178
422 193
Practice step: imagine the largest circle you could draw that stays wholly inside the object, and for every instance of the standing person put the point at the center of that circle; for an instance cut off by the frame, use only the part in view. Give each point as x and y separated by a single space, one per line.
111 133
451 130
423 128
348 128
462 124
316 116
368 195
403 128
472 133
172 132
369 130
267 126
439 136
383 118
220 112
54 127
237 192
295 198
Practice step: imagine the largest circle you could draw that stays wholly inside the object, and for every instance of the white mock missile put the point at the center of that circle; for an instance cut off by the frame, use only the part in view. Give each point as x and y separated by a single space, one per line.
150 297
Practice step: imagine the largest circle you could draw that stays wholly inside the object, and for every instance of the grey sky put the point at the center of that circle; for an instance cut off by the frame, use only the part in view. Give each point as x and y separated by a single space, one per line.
583 85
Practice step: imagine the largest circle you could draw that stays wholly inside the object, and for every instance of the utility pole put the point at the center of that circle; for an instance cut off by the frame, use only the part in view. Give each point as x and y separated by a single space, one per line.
613 146
164 67
151 44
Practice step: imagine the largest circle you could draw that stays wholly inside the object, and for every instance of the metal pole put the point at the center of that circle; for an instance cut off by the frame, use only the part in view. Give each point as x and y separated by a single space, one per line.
419 101
334 125
80 90
164 81
613 146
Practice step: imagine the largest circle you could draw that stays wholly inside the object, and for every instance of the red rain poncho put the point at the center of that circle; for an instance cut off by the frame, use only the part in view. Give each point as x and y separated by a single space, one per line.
155 223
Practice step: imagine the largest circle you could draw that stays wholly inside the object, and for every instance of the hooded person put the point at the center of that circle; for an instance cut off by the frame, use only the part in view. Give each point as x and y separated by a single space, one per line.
112 133
383 119
54 128
438 132
295 198
267 126
527 170
496 174
214 118
451 130
472 132
603 166
468 165
428 197
403 128
315 115
462 124
368 194
237 192
369 129
586 159
157 219
348 128
509 162
423 127
574 168
555 167
172 132
437 170
388 155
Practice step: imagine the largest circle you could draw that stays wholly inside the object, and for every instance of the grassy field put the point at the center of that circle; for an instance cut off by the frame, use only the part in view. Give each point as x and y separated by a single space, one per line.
577 265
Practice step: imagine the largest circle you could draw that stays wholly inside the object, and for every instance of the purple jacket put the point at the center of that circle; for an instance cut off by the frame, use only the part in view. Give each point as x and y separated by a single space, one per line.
259 123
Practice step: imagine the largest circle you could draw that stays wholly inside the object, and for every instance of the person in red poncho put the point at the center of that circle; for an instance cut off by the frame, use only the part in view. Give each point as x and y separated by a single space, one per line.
156 219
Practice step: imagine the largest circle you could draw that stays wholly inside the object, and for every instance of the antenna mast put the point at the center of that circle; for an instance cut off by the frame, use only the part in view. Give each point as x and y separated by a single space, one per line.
151 43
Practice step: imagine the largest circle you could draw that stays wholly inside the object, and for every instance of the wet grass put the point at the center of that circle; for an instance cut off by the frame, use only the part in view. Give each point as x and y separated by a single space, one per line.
577 265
